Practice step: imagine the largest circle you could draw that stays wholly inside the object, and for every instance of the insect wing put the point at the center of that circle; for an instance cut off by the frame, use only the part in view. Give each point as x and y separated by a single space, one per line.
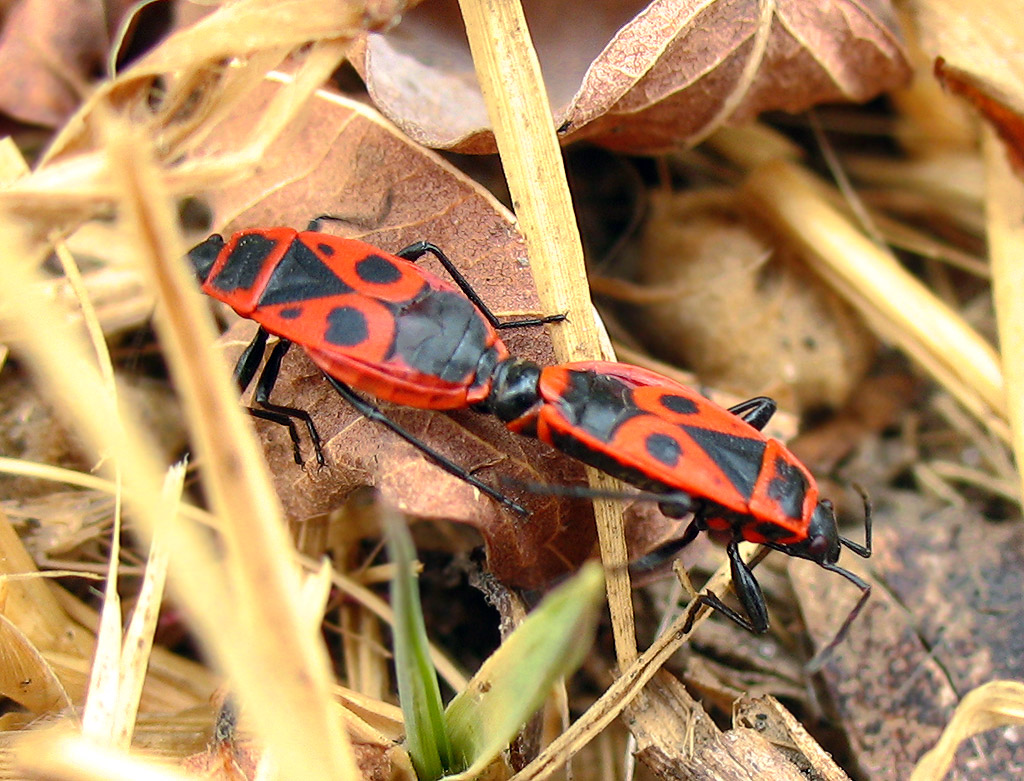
784 498
650 431
778 491
371 319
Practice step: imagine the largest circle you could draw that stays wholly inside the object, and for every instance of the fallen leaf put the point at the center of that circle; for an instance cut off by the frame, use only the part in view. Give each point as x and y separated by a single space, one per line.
716 284
640 78
50 52
977 54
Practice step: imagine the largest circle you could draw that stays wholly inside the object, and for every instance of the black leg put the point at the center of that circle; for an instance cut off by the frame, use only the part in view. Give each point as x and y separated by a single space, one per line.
371 412
822 656
757 411
415 251
864 551
245 369
281 420
666 552
249 361
748 591
280 414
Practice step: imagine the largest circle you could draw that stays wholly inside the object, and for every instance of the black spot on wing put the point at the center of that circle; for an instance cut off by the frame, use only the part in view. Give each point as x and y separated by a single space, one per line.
788 488
597 405
607 461
739 458
291 313
325 249
663 448
679 404
300 276
346 327
244 264
377 270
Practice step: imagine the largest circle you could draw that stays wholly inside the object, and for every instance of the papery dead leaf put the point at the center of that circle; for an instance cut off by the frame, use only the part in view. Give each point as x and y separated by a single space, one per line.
668 75
25 675
343 160
50 51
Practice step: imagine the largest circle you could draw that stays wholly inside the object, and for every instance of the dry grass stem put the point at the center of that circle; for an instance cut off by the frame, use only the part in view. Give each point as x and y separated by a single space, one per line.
517 103
240 490
1006 246
62 365
61 756
991 705
627 687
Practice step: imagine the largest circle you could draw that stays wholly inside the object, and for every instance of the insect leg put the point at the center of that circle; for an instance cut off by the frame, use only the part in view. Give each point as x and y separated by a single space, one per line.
756 412
249 361
371 412
245 369
822 656
666 552
864 551
285 416
747 590
415 251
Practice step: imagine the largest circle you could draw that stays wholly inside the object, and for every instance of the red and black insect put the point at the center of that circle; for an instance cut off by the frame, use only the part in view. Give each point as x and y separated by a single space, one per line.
367 318
696 456
379 322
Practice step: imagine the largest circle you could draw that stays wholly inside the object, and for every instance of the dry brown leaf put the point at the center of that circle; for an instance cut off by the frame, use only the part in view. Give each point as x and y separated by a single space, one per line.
342 160
50 51
26 677
668 75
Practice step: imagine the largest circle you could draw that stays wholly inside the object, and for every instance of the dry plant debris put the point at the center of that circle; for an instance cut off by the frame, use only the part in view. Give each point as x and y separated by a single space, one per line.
934 439
49 54
640 79
718 295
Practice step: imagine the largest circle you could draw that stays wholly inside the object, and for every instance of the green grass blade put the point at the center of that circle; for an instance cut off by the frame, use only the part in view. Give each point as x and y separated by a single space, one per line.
513 682
418 691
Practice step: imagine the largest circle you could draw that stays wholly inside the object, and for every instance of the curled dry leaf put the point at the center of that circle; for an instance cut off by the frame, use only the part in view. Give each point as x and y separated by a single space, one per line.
50 51
26 677
640 78
340 158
